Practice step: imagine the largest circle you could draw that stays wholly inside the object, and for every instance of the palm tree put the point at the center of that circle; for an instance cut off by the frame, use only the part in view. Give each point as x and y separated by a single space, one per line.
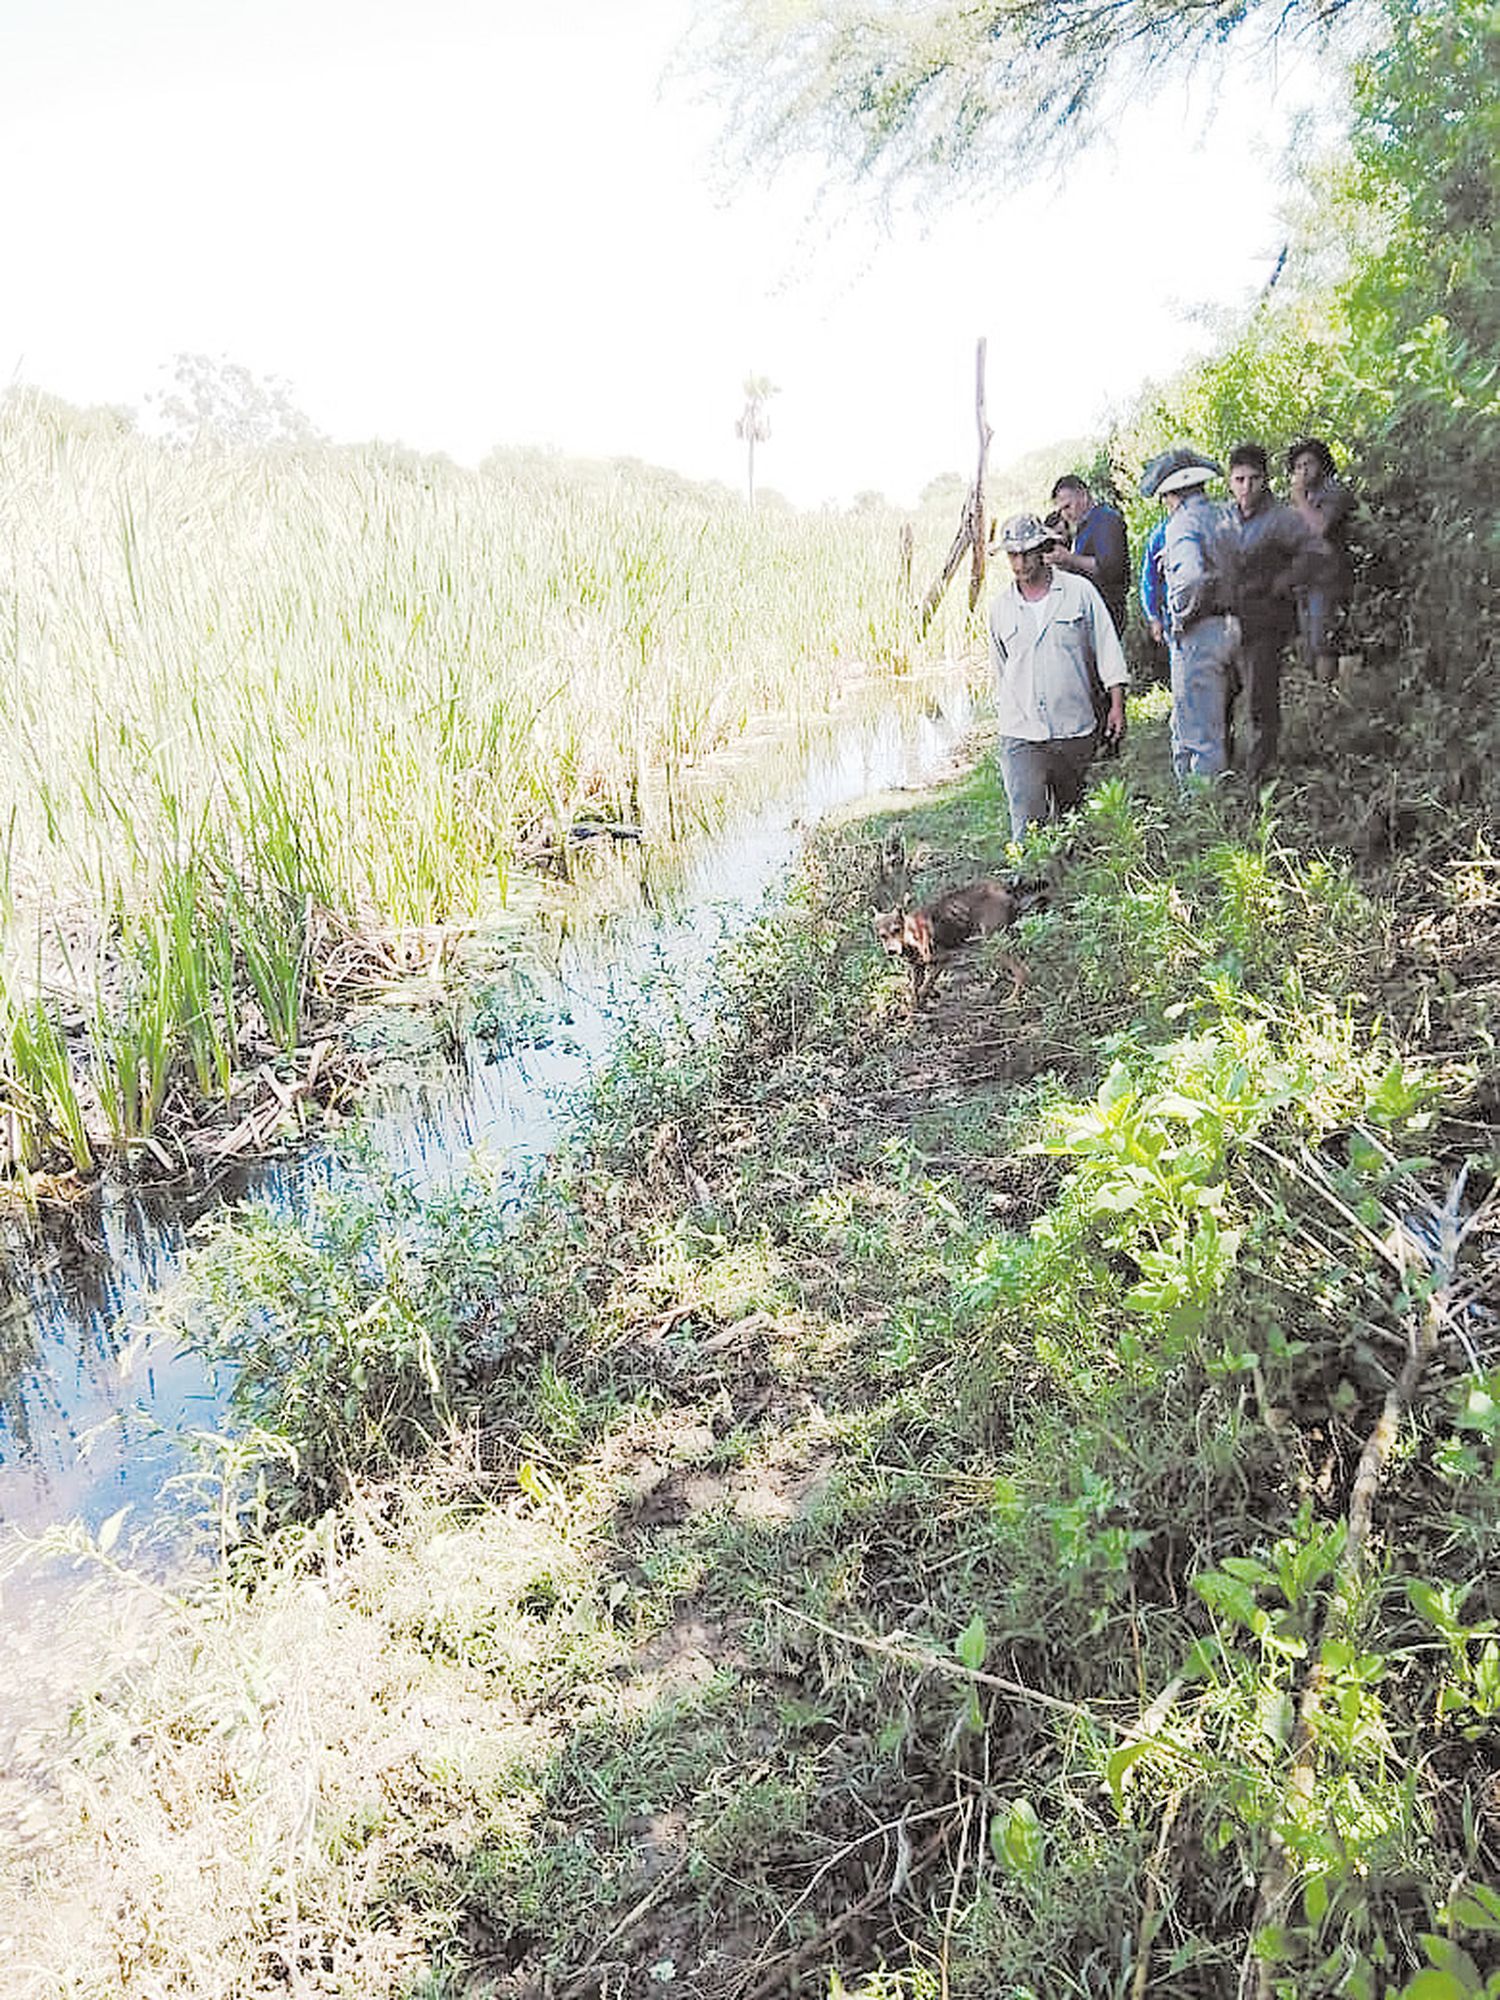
754 421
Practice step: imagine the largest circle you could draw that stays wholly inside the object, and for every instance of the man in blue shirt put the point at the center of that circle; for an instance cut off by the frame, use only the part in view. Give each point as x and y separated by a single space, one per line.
1101 550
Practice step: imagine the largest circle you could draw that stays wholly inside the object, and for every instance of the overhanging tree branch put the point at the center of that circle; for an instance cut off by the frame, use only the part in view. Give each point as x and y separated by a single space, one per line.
923 95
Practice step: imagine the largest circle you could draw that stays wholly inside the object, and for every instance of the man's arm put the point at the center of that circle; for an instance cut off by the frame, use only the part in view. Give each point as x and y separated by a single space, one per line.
1077 562
1106 561
998 654
1304 554
1153 587
1109 664
1109 654
1195 588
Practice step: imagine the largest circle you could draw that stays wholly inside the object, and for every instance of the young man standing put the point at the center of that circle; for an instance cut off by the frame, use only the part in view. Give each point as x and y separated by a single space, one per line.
1051 638
1276 554
1325 503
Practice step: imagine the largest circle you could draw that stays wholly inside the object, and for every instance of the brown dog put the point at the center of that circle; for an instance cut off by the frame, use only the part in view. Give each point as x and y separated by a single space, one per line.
926 937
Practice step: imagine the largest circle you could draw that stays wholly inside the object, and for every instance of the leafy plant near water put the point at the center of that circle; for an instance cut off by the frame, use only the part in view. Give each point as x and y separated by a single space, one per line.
350 682
347 1342
1028 1665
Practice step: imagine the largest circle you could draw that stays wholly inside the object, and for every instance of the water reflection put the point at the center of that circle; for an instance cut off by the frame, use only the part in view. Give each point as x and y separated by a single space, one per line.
92 1413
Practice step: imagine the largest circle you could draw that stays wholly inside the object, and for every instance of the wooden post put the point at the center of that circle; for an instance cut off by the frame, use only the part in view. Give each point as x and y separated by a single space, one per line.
973 532
934 596
979 530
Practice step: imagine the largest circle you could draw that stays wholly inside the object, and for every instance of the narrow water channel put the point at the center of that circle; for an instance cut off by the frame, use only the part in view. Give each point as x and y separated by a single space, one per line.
93 1415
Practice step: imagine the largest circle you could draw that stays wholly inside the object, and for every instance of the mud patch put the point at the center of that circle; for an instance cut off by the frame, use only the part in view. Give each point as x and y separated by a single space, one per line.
683 1659
776 1495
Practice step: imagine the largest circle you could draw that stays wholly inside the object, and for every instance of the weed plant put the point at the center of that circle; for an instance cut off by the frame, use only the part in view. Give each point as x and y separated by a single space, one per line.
246 690
900 1526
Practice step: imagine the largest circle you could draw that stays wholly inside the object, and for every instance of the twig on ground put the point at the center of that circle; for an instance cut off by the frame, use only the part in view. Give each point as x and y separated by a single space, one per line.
789 1963
918 1656
897 1883
576 1981
1147 1930
952 1910
579 1980
1256 1973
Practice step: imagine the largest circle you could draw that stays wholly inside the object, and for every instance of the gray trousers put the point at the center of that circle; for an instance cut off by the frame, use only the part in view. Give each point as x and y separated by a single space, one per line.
1202 657
1255 700
1043 780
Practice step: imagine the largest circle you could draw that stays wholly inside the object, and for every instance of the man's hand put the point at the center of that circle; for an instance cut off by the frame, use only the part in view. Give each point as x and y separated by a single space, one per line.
1079 565
1158 631
1114 727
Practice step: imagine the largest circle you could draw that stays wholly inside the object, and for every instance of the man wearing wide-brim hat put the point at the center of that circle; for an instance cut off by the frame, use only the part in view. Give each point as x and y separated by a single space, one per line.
1202 631
1051 637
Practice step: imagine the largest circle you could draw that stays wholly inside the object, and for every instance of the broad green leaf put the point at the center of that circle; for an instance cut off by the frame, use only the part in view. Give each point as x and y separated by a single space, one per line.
1120 1762
1451 1958
1246 1568
1115 1087
1016 1838
1477 1908
1436 1606
972 1644
1435 1985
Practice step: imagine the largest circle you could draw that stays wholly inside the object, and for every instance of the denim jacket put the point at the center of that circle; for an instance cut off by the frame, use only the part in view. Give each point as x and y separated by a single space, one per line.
1199 562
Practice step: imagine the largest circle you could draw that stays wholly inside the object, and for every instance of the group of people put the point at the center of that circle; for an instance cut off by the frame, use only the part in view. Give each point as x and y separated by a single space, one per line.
1225 586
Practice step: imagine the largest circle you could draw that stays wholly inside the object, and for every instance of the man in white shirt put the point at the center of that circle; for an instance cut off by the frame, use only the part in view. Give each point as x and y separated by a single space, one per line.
1051 638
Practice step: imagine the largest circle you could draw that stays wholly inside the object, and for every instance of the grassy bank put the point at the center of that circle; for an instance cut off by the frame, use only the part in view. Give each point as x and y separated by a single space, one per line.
989 1504
279 716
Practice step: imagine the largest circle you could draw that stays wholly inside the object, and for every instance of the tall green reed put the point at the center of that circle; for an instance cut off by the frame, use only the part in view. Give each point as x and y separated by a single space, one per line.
246 689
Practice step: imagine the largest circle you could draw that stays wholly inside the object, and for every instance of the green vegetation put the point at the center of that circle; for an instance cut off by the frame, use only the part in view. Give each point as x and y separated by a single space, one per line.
1382 336
990 1505
279 713
993 1503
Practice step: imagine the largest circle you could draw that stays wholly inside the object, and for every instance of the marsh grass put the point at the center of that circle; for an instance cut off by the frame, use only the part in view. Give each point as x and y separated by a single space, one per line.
245 689
896 1490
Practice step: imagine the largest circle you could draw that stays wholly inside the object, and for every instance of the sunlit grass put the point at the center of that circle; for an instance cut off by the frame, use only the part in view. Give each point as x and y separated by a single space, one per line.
244 688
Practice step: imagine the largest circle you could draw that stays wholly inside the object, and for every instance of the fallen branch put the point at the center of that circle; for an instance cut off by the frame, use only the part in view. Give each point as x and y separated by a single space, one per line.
789 1963
1256 1973
918 1656
581 1978
893 1888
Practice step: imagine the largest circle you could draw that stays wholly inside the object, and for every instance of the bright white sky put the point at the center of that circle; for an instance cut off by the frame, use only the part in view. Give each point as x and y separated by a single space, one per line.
464 223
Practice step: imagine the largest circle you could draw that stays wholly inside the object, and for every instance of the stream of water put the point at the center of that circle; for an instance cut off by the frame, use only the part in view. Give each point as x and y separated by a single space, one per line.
93 1415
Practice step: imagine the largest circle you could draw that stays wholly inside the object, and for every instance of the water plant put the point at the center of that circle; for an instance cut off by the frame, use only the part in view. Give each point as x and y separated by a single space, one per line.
263 700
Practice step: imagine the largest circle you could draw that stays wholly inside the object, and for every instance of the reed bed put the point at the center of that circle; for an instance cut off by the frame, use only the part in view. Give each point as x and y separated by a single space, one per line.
248 692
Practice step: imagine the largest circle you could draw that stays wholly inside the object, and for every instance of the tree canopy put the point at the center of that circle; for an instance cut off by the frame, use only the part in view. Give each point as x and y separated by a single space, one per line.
921 95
